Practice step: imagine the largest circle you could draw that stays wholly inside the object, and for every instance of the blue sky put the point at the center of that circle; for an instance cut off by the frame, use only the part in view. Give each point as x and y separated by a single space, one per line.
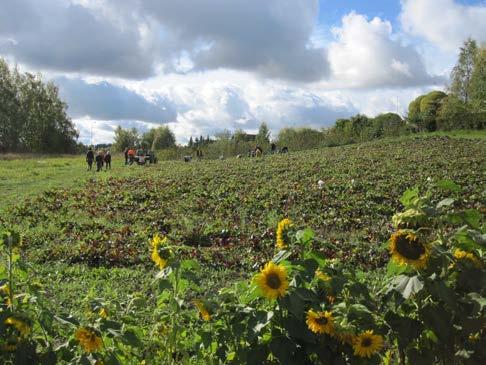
202 66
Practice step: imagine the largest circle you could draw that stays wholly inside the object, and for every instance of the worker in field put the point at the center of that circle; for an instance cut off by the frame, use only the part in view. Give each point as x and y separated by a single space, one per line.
90 158
107 161
99 161
131 156
125 153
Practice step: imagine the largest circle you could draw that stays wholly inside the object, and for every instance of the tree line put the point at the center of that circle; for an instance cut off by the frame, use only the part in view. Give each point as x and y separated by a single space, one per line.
32 116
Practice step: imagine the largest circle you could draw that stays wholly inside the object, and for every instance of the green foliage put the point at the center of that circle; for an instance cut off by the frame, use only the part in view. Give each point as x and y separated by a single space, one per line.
463 71
125 138
477 86
32 116
263 136
158 138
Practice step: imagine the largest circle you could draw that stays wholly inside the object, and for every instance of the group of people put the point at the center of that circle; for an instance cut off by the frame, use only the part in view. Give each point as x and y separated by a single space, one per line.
102 159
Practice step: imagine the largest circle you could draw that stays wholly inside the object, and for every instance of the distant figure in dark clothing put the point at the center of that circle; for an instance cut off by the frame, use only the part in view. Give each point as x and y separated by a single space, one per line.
90 158
273 148
99 161
126 155
284 150
199 155
107 161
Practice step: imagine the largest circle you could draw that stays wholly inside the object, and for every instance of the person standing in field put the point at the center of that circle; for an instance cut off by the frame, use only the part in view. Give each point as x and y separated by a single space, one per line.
131 156
125 152
90 158
99 161
107 161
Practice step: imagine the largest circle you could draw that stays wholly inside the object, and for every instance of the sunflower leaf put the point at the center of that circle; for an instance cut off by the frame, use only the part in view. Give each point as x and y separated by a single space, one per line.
407 285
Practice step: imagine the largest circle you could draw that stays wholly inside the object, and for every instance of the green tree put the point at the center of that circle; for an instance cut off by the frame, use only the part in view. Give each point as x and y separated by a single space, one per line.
263 136
477 86
125 138
462 72
387 125
191 142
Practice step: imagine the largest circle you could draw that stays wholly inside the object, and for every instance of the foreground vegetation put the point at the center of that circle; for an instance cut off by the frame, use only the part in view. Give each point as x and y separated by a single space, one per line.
161 263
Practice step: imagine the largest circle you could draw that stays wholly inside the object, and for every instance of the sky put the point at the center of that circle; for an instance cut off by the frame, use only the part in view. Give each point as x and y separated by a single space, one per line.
203 66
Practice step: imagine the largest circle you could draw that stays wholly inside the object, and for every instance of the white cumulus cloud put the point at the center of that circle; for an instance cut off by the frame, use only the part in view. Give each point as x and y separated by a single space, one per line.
367 54
445 23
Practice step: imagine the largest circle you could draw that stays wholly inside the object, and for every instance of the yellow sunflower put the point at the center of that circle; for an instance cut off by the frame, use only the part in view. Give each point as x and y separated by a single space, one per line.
406 249
22 327
320 322
322 275
202 310
89 340
282 233
103 313
272 281
5 291
366 344
159 254
463 255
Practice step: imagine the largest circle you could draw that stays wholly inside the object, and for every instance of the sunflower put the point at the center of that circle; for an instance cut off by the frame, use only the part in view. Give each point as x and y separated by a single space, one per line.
366 344
159 255
320 322
282 233
5 291
103 313
322 275
22 327
202 310
406 249
272 281
463 255
89 340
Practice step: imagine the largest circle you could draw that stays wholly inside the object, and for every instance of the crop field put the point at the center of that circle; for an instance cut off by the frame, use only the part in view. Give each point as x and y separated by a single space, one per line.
166 264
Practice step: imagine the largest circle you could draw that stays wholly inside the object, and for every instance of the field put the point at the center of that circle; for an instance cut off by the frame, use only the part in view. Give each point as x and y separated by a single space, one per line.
88 245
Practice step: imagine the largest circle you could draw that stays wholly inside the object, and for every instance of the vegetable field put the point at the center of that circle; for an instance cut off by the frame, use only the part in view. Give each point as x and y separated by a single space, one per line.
251 261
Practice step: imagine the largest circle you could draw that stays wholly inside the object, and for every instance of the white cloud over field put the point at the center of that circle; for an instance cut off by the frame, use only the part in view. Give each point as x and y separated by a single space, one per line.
202 66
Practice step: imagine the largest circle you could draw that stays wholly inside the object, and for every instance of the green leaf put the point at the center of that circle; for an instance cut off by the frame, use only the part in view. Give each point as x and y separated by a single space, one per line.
473 218
130 338
448 185
445 203
406 328
410 197
281 256
305 236
407 285
69 320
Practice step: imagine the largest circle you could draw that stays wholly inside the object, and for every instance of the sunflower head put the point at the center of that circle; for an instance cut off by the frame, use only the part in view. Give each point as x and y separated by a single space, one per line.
160 253
320 322
272 281
103 313
407 249
19 325
89 339
283 227
465 256
367 344
320 275
203 310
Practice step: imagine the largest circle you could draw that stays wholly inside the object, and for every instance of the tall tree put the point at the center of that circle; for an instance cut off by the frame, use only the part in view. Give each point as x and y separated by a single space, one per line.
477 86
463 71
263 136
125 138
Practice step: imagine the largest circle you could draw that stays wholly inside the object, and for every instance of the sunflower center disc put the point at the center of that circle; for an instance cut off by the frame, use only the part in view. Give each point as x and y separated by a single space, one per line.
410 249
366 342
321 320
273 281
